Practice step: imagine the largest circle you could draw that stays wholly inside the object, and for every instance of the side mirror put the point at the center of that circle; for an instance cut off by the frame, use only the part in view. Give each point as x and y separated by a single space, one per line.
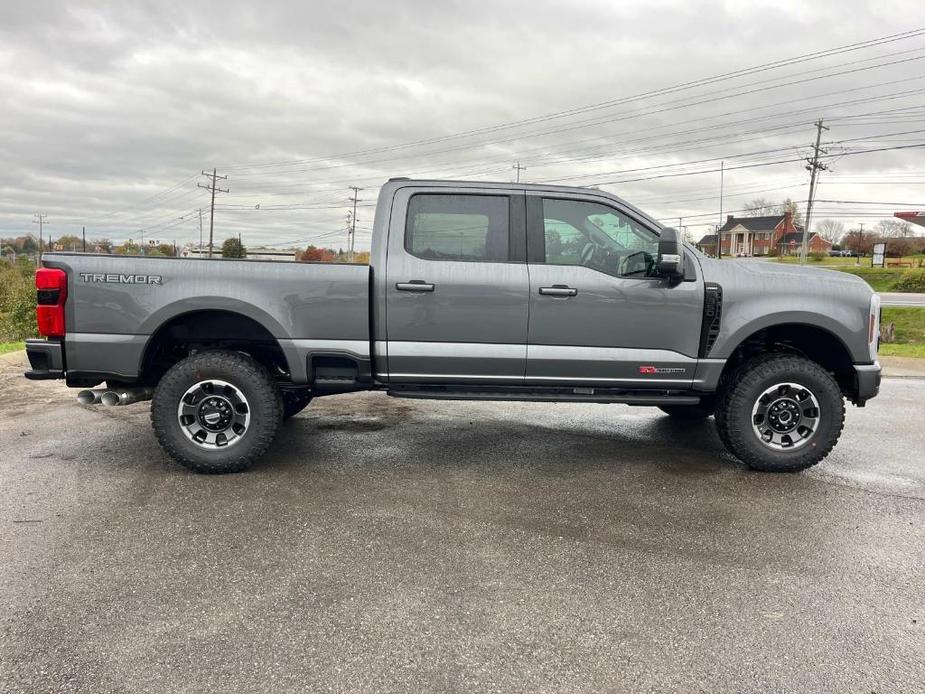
670 254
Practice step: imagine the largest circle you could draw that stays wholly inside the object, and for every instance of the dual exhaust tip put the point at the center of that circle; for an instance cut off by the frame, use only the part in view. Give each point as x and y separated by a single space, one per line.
114 396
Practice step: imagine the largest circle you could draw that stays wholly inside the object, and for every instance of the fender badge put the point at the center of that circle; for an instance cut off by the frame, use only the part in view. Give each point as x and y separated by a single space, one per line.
648 370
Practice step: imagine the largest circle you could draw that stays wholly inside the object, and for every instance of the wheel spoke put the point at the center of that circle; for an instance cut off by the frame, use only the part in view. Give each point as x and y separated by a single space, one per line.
785 416
213 414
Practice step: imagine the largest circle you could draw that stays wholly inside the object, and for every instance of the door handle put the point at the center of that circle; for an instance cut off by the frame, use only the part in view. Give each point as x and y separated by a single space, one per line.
559 290
414 286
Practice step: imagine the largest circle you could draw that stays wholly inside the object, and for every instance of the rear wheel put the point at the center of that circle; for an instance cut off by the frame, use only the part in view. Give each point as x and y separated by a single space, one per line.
780 413
216 412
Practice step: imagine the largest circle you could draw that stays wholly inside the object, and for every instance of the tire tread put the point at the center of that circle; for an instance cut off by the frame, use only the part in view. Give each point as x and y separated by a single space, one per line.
267 411
734 398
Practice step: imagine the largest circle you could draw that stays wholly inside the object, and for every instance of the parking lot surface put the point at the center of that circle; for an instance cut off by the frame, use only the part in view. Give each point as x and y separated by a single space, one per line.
399 545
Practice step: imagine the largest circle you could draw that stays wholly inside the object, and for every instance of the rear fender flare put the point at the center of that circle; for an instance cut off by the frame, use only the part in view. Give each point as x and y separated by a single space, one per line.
162 317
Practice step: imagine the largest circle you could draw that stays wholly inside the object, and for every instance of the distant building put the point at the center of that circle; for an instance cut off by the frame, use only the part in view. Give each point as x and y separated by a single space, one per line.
913 217
748 236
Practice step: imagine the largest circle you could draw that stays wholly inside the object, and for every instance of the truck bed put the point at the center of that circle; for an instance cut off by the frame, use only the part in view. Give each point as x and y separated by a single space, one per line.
116 303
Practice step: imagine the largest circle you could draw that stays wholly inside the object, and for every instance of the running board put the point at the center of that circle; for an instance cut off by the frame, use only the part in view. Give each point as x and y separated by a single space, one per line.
599 395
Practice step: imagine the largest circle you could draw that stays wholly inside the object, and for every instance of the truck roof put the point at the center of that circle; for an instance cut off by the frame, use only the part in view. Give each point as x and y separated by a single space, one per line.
492 184
507 185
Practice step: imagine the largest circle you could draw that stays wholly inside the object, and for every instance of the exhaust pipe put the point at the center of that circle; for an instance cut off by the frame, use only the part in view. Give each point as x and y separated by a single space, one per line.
90 397
125 396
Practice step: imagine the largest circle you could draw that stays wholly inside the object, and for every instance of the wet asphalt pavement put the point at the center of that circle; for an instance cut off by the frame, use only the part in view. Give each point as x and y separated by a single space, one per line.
398 545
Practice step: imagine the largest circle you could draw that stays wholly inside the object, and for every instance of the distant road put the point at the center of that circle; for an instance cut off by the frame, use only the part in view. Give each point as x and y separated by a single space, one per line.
902 299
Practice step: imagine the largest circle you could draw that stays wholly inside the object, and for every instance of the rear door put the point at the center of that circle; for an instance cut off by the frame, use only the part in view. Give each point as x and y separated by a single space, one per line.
599 313
457 287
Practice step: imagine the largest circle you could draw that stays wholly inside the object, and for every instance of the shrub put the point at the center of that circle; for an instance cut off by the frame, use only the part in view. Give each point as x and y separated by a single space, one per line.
817 256
911 281
17 301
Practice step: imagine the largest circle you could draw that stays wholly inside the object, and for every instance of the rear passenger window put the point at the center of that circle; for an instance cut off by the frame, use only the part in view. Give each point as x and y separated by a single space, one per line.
458 227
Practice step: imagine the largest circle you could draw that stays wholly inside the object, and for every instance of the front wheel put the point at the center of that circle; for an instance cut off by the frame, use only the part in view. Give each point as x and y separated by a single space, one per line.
780 413
216 412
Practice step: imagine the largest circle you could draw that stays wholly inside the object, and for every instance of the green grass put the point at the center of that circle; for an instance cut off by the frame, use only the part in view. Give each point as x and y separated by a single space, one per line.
11 347
879 279
909 321
848 262
897 350
910 331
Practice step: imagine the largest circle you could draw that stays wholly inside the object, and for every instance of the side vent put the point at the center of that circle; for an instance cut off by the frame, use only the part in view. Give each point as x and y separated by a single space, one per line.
712 317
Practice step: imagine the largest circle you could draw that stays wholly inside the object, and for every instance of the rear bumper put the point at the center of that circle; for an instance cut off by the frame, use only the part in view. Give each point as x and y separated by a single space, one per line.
866 381
46 357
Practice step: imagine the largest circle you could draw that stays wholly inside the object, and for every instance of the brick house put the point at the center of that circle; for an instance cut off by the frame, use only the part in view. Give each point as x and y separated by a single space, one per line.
758 235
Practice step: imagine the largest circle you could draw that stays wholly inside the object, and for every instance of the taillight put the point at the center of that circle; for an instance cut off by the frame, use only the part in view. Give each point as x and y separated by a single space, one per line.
873 327
51 286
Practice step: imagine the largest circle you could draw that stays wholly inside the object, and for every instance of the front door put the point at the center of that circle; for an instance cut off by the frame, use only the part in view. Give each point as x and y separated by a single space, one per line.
599 313
457 287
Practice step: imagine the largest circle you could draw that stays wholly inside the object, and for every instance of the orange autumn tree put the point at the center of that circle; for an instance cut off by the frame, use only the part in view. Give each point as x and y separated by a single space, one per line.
313 254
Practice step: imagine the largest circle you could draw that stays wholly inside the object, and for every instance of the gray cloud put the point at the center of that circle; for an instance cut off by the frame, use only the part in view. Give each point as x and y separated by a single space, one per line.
106 107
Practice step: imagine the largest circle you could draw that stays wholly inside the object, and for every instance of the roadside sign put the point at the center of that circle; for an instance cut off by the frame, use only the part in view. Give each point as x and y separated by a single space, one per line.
879 253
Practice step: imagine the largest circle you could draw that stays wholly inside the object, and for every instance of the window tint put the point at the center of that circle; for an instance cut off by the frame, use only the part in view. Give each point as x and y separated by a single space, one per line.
598 237
458 227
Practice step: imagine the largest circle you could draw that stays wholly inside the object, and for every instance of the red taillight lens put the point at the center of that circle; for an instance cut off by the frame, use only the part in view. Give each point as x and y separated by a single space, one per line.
51 286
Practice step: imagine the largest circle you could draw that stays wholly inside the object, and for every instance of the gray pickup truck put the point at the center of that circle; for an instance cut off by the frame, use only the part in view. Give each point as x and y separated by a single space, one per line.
475 291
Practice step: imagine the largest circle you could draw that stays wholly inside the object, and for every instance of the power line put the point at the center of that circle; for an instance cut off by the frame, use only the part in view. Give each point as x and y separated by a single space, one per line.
613 102
670 106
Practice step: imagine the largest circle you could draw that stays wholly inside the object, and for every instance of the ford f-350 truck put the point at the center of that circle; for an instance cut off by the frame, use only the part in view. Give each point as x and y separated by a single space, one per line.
474 291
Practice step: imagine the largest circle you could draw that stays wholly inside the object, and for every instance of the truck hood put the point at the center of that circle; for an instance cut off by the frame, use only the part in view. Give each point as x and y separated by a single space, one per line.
798 279
799 273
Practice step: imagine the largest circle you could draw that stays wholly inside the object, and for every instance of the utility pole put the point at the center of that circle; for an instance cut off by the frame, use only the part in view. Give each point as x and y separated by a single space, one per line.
347 228
719 240
518 168
814 166
83 235
353 223
40 219
212 189
860 241
142 232
200 232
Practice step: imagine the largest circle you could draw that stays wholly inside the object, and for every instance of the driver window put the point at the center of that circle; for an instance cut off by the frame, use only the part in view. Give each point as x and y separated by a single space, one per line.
598 237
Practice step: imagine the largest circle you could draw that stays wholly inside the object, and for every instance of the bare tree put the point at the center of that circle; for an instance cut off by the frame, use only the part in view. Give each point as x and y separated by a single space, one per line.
760 207
893 228
793 208
830 229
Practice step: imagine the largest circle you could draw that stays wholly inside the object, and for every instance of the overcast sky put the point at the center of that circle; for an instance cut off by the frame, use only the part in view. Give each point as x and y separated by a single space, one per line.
109 111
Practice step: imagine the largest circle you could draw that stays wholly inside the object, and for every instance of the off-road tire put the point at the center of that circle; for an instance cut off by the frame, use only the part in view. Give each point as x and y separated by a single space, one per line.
689 412
294 401
242 372
744 387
